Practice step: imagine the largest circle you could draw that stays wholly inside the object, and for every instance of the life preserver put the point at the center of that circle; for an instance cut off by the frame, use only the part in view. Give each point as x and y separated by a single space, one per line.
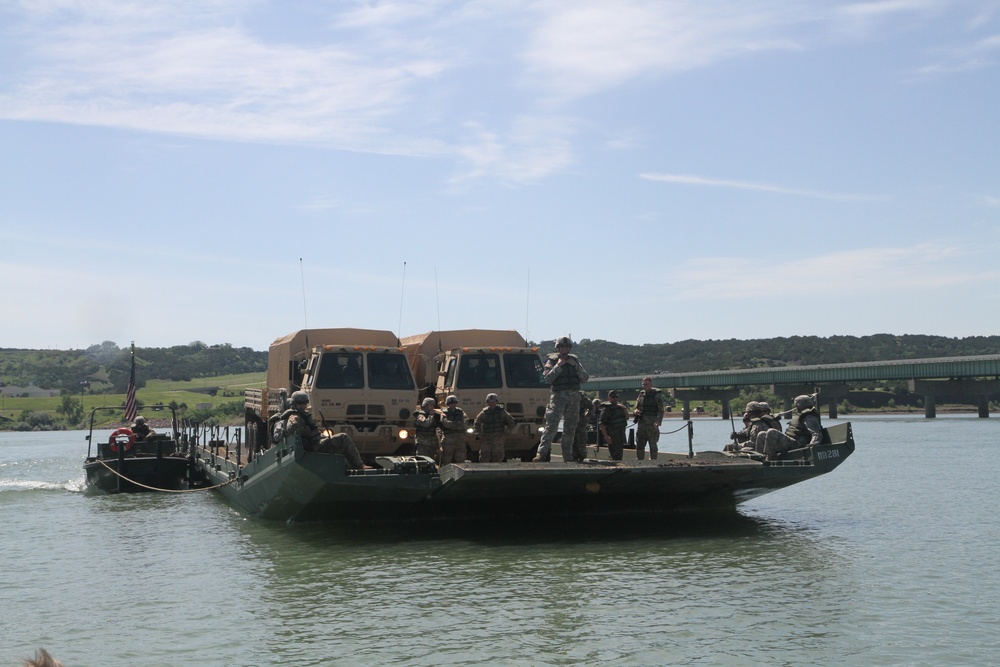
127 432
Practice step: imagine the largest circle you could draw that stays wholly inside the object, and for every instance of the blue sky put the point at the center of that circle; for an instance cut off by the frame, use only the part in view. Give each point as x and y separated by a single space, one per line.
643 172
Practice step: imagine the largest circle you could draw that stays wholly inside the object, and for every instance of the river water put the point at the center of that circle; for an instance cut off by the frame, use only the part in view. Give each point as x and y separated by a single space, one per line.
889 560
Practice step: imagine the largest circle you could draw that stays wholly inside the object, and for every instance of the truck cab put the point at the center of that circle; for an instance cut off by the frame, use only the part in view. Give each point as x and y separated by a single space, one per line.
359 382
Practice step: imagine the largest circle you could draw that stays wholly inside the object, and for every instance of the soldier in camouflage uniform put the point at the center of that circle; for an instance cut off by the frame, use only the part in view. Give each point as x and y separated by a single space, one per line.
804 429
565 374
425 424
753 429
580 441
298 419
492 425
454 424
614 419
649 415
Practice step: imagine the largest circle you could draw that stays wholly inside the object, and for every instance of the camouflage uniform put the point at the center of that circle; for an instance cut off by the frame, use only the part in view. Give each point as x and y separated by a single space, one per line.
580 441
302 422
492 425
649 410
425 425
614 419
804 429
564 404
454 423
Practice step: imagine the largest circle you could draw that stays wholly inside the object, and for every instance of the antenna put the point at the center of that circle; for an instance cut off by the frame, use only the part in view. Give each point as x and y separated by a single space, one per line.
402 290
527 300
305 318
437 297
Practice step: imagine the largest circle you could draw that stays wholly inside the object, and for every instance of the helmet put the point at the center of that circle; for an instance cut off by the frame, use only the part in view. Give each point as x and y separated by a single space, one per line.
613 394
752 406
140 420
451 399
763 406
300 397
803 402
427 403
564 340
492 397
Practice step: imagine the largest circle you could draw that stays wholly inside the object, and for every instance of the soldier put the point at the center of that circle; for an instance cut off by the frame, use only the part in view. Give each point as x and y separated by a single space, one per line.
492 425
767 417
565 374
298 419
648 415
804 429
595 416
754 427
580 440
426 421
142 429
453 423
614 419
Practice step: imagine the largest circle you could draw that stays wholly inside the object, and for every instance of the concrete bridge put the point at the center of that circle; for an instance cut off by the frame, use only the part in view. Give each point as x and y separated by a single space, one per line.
971 378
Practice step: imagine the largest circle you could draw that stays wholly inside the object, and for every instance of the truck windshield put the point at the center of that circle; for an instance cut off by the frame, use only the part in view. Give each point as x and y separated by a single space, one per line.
388 371
340 370
479 371
524 371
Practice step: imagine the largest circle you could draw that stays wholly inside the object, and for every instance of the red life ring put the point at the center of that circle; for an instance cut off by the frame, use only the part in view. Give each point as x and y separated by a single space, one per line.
125 432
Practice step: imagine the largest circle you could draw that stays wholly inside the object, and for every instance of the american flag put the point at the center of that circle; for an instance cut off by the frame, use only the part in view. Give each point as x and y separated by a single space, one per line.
130 408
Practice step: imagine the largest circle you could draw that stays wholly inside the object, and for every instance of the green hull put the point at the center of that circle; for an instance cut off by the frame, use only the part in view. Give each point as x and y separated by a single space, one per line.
288 483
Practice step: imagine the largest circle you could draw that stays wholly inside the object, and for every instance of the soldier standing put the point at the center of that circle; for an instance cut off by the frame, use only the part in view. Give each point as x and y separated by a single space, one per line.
454 423
580 441
298 419
565 374
426 420
649 415
614 419
492 425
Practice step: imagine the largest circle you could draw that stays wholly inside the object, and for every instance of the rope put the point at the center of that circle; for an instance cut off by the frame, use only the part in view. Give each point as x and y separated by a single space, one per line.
681 428
153 488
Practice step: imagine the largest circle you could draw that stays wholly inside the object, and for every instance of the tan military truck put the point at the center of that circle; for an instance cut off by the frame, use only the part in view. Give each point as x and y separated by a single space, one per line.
358 380
471 363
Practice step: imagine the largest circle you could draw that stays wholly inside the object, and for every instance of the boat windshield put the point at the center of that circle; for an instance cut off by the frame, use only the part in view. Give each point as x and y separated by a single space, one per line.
524 371
388 371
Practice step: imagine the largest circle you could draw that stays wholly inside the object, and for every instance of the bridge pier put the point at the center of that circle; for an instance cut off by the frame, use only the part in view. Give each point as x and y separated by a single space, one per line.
724 396
968 389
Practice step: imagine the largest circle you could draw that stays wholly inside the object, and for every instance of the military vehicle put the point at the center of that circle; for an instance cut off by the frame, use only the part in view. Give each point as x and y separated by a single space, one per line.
471 363
359 383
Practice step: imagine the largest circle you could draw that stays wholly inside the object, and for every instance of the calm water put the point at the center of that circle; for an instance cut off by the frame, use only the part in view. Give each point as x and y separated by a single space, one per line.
889 560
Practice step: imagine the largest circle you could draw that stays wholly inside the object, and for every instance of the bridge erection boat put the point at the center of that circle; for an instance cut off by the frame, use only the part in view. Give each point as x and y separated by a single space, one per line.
129 463
288 483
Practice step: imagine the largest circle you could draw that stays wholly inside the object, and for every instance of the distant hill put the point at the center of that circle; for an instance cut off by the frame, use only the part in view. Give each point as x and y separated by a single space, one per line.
105 368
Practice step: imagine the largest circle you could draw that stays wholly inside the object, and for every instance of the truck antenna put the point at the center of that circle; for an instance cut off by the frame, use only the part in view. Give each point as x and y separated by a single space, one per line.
402 291
527 300
302 273
437 297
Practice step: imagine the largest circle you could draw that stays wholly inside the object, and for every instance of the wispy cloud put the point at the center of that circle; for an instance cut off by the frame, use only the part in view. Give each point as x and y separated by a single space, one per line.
927 266
980 54
760 187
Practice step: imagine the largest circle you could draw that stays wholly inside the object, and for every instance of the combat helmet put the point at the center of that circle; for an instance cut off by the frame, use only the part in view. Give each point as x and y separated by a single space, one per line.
804 402
564 340
299 397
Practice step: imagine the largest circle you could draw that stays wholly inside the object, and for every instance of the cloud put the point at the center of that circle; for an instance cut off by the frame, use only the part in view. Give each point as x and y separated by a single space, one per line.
978 55
928 266
760 187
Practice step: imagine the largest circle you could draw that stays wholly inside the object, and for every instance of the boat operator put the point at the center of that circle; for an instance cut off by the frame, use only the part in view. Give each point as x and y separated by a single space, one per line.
298 419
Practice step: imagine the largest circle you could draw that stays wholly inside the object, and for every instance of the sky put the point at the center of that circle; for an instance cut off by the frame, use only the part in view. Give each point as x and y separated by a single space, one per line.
230 171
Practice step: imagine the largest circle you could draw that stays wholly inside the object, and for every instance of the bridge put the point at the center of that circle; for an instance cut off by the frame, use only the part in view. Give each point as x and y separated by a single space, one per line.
971 378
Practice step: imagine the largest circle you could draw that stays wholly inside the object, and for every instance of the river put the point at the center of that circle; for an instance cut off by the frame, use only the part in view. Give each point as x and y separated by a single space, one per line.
888 560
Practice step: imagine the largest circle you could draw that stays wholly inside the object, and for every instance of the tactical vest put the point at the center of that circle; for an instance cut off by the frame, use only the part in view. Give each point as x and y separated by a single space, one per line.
647 403
493 421
797 430
454 414
427 428
568 379
614 416
309 430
